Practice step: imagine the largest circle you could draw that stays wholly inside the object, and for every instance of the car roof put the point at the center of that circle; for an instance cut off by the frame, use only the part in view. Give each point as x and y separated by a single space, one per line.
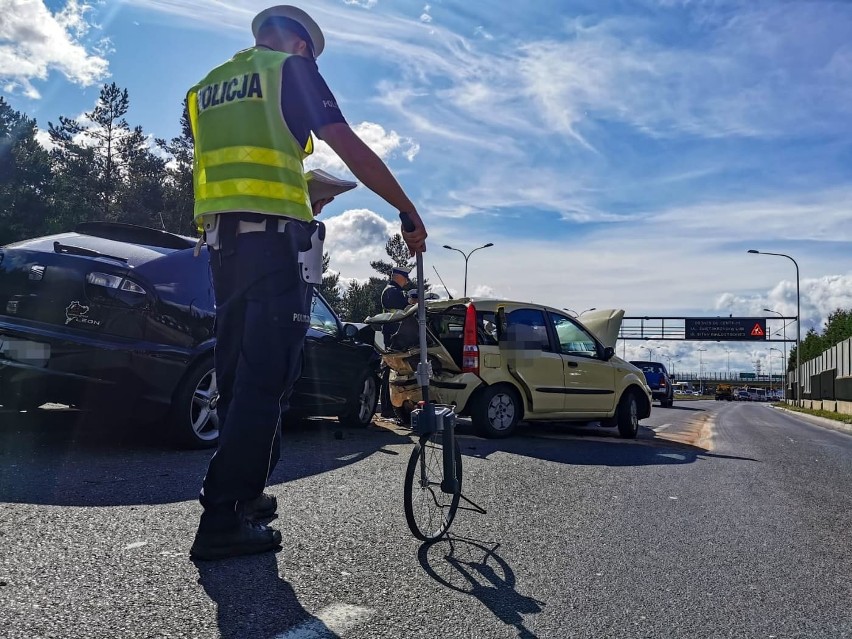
490 304
604 324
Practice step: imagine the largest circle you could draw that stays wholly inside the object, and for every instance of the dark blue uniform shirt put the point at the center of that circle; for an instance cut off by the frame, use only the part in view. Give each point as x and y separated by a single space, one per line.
393 297
306 101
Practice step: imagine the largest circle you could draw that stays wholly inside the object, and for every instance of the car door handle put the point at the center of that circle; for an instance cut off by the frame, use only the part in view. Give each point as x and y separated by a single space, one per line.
573 364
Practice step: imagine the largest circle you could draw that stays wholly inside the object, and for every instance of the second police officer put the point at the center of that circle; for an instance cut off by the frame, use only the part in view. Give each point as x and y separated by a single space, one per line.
393 298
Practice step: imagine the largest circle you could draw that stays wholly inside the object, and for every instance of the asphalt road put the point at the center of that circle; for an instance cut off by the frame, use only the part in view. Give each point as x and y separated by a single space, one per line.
722 520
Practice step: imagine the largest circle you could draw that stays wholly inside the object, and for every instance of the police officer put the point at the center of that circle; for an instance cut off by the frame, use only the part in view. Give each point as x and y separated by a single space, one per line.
252 119
393 298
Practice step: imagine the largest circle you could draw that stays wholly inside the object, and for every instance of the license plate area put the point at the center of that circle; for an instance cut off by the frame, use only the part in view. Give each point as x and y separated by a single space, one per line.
24 351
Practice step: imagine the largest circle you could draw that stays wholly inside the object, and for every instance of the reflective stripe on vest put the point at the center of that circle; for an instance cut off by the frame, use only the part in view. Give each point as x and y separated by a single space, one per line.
246 158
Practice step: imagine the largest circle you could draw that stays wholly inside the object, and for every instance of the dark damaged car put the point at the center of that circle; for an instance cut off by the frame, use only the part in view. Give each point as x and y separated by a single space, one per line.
120 318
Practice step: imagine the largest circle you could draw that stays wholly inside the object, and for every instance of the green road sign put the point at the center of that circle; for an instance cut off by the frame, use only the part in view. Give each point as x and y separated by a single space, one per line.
748 376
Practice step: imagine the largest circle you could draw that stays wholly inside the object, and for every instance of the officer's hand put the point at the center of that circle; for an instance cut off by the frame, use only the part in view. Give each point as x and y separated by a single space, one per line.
317 206
416 238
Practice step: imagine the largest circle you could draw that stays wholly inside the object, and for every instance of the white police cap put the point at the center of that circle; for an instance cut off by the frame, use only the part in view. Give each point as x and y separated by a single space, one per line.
312 30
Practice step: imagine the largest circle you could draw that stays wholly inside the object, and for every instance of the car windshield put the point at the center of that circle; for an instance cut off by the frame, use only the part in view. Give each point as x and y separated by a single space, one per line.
628 228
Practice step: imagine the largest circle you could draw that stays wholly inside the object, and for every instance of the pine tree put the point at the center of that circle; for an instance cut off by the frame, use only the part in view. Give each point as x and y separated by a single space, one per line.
179 198
330 286
87 159
838 327
140 198
398 253
361 300
25 179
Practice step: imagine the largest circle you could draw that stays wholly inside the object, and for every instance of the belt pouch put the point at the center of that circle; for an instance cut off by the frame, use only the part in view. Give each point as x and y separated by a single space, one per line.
310 260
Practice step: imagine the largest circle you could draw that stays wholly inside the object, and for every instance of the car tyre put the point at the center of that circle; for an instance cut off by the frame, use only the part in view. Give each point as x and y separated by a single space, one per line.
362 408
497 411
627 416
193 420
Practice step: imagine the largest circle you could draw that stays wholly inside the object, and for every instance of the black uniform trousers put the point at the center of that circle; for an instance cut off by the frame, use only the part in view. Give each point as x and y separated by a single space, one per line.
262 316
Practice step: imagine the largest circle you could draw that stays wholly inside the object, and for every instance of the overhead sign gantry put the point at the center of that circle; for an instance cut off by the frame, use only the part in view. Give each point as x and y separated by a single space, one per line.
708 329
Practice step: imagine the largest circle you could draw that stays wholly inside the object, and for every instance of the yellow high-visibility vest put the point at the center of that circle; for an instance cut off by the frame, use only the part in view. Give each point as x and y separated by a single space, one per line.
246 158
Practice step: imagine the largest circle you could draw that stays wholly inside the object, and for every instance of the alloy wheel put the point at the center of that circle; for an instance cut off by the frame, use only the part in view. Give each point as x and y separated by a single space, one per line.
366 400
202 412
501 411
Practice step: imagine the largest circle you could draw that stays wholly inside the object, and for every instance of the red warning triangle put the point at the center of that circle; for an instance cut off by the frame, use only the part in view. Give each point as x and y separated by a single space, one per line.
757 331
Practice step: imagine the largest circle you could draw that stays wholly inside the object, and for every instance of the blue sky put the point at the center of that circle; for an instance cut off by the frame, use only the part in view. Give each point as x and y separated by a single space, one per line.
618 153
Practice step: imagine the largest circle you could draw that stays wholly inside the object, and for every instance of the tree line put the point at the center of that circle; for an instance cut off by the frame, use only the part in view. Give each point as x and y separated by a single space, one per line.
100 168
837 328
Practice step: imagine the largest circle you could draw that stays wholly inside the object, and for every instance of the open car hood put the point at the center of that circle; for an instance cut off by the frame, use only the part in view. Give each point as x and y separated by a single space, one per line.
391 316
605 324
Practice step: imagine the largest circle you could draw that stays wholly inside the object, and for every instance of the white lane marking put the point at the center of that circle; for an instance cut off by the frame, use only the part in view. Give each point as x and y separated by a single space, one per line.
331 623
663 427
135 544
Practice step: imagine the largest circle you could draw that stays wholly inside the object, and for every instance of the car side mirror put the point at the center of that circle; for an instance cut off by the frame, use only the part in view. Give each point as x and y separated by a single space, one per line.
608 353
350 331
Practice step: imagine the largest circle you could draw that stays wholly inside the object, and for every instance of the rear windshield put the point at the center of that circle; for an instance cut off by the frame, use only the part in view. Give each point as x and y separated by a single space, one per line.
449 326
649 367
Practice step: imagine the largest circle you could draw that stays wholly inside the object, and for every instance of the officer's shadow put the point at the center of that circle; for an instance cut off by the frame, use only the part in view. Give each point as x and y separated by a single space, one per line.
252 600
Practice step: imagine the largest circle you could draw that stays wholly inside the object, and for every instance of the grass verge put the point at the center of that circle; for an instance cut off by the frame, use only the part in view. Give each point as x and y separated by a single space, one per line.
838 417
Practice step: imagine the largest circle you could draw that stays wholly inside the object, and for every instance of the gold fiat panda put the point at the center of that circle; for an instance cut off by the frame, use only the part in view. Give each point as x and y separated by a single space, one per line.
502 362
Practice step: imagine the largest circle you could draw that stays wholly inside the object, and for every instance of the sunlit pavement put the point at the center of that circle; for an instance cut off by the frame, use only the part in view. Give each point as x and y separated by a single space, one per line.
719 520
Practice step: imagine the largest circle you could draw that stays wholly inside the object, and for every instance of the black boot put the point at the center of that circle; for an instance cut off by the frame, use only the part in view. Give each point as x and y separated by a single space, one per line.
263 507
247 538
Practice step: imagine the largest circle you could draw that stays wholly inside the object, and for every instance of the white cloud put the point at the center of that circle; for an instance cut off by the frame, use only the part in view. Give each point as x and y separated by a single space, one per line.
754 75
367 4
34 42
386 144
481 32
819 298
44 139
354 238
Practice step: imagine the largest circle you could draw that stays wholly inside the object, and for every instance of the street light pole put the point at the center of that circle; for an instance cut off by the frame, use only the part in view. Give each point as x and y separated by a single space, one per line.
771 348
650 352
728 353
701 352
784 330
798 322
466 258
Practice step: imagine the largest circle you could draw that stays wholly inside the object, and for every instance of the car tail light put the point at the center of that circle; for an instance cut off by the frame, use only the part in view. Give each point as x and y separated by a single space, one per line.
114 281
470 349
